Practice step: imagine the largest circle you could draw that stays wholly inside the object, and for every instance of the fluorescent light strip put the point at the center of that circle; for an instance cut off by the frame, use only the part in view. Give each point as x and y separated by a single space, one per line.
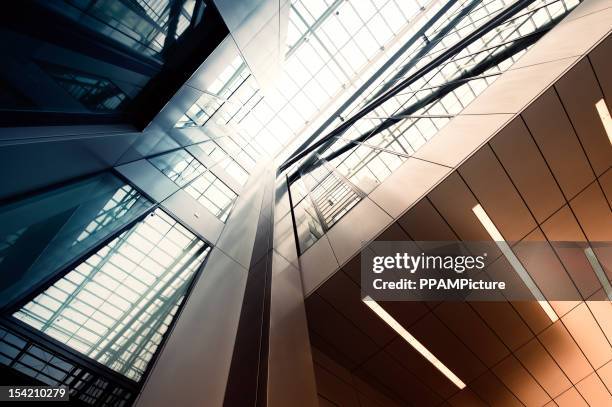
514 261
604 115
599 271
397 327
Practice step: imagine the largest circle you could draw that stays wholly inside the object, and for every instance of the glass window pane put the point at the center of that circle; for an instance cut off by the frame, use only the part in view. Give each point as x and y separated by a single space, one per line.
41 234
180 166
119 311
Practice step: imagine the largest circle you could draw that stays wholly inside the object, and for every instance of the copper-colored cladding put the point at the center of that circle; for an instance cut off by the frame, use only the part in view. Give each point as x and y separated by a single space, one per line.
602 311
543 368
602 66
571 398
492 391
587 334
519 155
563 227
593 390
544 177
606 184
579 90
553 132
487 179
520 382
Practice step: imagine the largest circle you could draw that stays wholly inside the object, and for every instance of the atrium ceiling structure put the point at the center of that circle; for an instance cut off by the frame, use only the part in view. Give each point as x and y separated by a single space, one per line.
192 192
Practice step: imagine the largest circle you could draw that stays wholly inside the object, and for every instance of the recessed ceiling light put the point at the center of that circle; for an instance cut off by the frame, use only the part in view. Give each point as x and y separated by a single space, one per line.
513 260
604 115
599 271
418 346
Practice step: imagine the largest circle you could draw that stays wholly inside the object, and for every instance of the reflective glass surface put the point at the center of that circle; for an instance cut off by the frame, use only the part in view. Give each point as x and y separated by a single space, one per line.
41 234
180 166
116 305
93 92
146 26
188 173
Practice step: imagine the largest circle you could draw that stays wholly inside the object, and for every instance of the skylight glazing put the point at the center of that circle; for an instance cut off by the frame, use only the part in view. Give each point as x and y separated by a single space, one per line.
43 233
195 179
329 45
116 305
374 146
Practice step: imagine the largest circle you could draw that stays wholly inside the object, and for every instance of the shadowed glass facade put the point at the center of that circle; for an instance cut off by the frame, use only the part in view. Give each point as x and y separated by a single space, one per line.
116 305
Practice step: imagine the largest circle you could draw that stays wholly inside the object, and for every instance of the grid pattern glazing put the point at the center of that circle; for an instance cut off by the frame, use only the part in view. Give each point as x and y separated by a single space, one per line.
188 173
116 305
221 158
53 369
374 146
180 166
217 197
329 44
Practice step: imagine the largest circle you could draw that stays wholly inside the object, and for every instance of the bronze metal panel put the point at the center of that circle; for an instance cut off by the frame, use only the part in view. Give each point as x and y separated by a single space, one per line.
533 315
566 353
593 214
338 331
563 227
345 297
602 65
553 133
605 373
447 348
334 389
486 178
586 332
571 398
405 312
595 217
455 202
424 223
466 398
602 311
413 361
543 368
605 181
520 382
547 271
399 380
471 329
520 156
579 91
505 321
492 390
593 391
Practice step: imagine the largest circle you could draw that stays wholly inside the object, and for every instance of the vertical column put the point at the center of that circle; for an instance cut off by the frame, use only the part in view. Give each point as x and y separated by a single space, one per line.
291 380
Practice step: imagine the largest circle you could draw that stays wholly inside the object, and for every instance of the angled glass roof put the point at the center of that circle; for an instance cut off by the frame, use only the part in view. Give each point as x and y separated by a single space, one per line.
330 45
447 62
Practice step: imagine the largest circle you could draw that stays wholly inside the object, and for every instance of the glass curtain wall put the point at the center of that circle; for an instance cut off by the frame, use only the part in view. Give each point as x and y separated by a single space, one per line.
195 179
43 233
116 305
93 277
